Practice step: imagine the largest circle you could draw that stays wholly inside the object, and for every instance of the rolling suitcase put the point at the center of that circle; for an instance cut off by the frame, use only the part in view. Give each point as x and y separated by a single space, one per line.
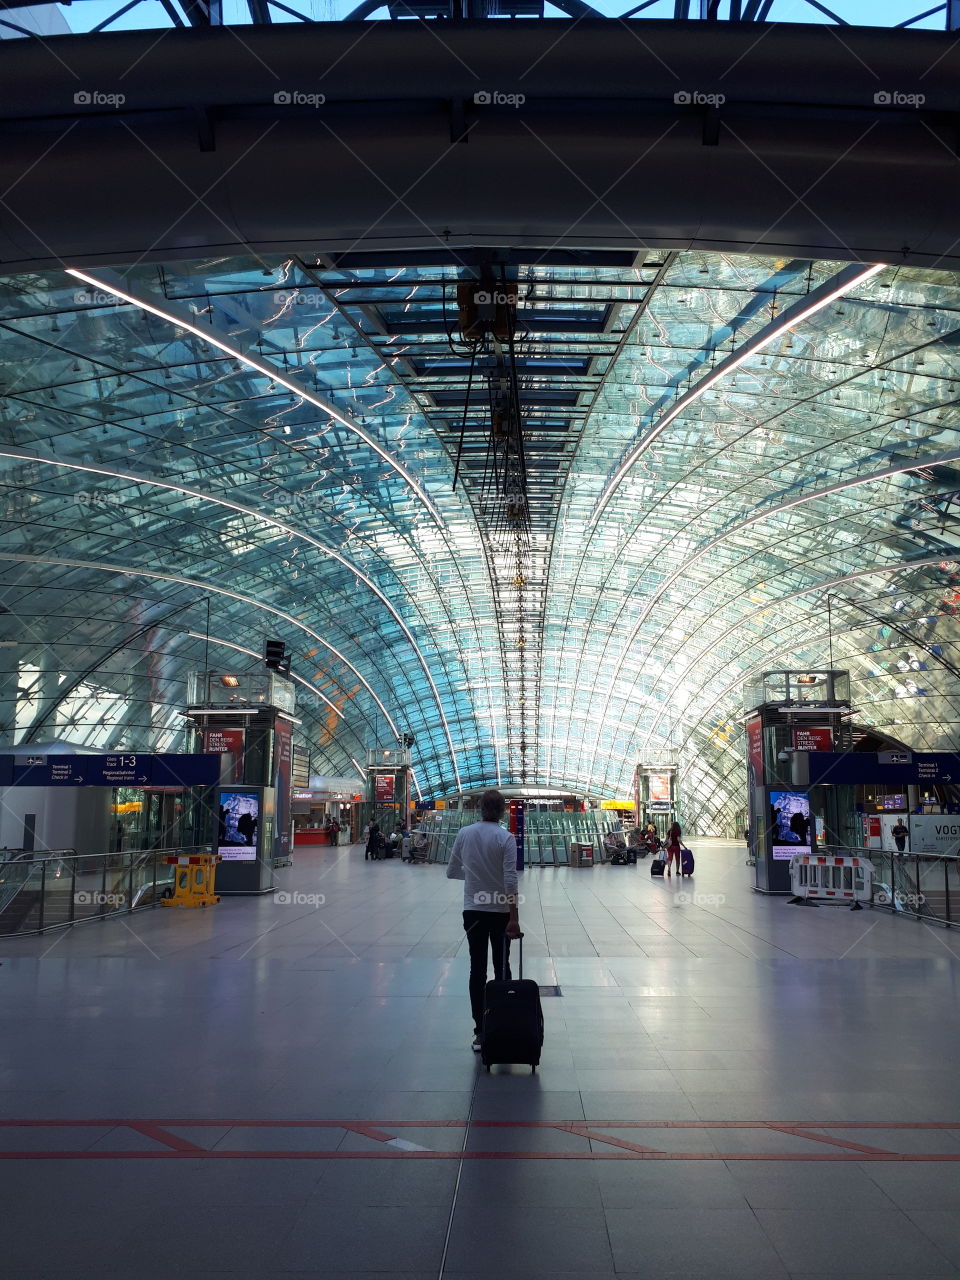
658 866
686 862
512 1021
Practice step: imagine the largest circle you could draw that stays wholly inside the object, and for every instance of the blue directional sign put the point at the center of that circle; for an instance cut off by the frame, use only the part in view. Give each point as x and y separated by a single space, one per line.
860 768
135 769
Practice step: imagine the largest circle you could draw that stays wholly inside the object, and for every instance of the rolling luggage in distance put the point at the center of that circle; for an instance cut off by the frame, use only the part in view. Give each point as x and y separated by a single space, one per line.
512 1021
658 866
686 862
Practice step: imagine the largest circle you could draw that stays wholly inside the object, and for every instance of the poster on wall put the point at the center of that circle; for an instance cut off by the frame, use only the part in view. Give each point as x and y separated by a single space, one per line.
383 788
789 823
282 785
813 739
239 822
755 752
658 787
228 744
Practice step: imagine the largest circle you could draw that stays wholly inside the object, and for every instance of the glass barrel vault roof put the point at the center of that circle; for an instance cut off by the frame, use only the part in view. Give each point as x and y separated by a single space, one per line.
273 447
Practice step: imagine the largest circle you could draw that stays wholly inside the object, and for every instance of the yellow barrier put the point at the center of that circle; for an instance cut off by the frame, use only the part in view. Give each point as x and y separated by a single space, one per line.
193 880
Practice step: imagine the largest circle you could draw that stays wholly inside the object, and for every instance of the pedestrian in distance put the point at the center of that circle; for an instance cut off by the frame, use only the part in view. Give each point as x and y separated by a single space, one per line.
674 845
373 842
900 833
484 857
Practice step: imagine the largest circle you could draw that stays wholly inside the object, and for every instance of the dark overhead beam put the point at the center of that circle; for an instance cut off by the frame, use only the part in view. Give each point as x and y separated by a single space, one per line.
881 184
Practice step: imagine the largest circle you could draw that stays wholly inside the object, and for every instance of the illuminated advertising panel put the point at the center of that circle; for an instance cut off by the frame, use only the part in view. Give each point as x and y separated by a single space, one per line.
658 785
238 826
789 823
383 788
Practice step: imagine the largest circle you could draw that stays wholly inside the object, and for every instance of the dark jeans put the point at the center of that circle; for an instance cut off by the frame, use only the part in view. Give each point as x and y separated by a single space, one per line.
485 929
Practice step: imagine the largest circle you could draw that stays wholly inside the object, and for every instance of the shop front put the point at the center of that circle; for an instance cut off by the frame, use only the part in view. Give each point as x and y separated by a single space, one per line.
326 812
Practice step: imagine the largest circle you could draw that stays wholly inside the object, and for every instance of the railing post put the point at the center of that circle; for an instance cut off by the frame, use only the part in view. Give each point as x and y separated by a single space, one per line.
43 894
103 890
946 891
916 881
130 884
73 888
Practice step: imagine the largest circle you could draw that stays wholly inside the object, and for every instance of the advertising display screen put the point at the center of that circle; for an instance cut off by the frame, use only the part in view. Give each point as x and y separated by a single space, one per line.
789 823
238 827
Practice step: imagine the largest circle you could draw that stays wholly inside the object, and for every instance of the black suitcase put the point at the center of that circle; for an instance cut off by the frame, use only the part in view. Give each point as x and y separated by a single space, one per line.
657 867
512 1021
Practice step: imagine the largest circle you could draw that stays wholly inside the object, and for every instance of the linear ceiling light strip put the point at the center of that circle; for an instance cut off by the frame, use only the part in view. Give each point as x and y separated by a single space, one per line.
287 529
268 371
832 289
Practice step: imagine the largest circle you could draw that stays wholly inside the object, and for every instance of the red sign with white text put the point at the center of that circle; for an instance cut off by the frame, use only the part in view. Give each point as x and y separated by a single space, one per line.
383 788
813 739
229 743
755 748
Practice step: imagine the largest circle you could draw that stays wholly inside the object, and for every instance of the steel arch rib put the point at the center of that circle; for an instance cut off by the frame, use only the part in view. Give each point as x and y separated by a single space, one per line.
277 524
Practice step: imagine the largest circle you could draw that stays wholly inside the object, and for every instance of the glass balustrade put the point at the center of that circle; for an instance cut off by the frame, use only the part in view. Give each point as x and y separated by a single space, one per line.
48 890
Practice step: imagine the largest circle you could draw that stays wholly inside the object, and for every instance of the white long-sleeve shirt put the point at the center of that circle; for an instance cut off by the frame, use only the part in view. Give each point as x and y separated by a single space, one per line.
484 856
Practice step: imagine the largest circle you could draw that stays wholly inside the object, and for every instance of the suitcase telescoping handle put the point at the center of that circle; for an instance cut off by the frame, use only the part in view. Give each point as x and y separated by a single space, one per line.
506 954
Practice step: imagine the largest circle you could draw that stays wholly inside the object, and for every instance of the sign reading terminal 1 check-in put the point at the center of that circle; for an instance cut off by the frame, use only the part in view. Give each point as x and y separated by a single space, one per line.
140 769
860 768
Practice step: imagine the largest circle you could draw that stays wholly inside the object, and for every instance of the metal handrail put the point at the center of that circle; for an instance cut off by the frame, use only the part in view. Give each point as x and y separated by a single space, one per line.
68 881
924 886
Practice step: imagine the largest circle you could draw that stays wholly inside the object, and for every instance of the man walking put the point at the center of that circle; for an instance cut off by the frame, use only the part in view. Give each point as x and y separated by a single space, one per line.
484 856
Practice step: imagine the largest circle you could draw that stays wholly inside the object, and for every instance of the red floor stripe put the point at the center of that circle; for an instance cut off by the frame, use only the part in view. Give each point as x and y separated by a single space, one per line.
194 1123
394 1154
172 1146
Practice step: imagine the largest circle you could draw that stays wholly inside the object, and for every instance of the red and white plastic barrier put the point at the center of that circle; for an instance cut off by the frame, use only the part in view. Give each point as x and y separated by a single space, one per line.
830 879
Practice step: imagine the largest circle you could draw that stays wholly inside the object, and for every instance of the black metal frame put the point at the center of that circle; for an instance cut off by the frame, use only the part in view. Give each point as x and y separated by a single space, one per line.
209 13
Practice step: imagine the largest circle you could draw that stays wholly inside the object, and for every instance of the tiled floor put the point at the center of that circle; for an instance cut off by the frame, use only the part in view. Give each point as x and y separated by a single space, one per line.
699 1003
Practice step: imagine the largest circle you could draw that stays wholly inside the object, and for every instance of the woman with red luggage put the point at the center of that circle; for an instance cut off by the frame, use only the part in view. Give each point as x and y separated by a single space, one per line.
673 846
